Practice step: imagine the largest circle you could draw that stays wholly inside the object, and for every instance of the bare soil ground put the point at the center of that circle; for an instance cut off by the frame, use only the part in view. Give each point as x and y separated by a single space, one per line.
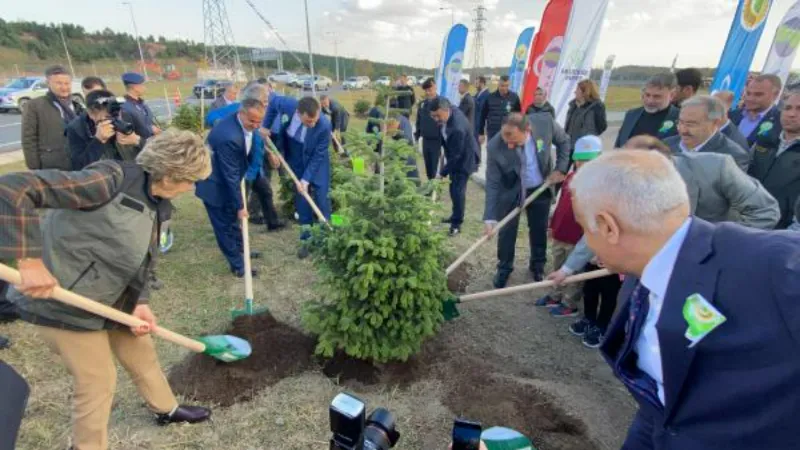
503 362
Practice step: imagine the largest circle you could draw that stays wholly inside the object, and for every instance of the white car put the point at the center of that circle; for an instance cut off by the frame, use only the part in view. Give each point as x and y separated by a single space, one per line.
282 77
412 80
321 83
366 81
383 81
354 83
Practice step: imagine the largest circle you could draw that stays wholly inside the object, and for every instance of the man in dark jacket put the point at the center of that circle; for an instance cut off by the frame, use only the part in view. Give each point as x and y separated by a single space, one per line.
482 94
499 104
759 119
656 117
778 168
699 124
229 96
540 104
730 130
98 239
404 102
135 110
92 136
519 161
689 82
430 132
337 115
467 104
44 120
460 150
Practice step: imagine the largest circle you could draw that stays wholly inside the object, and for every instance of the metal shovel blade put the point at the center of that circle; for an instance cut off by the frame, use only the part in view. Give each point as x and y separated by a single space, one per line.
249 310
226 348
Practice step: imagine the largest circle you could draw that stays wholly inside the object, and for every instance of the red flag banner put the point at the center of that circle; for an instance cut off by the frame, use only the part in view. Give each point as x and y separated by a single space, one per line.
546 50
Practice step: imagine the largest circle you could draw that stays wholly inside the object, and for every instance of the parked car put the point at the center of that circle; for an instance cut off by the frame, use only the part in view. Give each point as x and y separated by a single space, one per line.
211 88
321 83
354 83
298 81
366 81
412 80
17 93
383 81
282 77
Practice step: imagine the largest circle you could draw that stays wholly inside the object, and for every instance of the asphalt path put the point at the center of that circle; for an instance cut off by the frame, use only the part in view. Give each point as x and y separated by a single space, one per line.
11 122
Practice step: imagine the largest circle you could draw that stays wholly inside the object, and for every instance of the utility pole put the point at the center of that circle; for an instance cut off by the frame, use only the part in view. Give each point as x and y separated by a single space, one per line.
477 43
138 42
452 13
310 54
66 50
220 48
335 51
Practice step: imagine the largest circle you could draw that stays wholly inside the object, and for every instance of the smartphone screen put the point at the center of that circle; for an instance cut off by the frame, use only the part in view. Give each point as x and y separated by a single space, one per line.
466 435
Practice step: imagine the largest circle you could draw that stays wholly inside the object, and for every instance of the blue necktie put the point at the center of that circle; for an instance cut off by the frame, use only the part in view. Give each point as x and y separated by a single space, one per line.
625 365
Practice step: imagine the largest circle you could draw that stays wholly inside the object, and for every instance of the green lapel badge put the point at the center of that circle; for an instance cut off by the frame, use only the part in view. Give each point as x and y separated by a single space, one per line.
666 126
539 145
764 128
284 119
702 318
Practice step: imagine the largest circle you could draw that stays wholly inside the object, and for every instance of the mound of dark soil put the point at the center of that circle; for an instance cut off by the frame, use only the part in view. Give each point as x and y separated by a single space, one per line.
458 281
279 351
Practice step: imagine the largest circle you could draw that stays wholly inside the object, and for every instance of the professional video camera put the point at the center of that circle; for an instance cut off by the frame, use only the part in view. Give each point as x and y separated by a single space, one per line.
351 431
114 108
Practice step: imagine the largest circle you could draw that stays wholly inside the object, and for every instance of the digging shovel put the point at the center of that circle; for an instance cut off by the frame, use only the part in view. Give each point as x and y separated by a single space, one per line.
497 227
451 310
248 310
222 347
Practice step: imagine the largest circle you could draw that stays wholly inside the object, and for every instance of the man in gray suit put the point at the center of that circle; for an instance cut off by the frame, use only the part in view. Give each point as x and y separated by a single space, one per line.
229 96
728 128
700 119
718 192
519 161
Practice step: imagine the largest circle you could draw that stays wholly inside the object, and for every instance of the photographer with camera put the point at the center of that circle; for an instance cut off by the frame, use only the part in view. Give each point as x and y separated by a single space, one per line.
99 133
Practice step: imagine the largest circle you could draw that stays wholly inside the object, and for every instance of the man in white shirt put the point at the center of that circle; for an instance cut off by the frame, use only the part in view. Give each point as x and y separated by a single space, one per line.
706 337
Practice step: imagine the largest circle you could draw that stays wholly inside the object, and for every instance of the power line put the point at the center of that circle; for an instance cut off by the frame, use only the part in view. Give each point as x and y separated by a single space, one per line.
277 35
477 42
218 38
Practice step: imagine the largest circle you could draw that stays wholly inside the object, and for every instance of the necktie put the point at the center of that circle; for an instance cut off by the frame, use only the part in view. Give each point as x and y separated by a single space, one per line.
523 169
298 135
625 366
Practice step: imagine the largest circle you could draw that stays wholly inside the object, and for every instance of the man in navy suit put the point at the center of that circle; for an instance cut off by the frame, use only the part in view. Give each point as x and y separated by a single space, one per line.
233 144
461 153
482 94
656 117
304 140
707 335
760 119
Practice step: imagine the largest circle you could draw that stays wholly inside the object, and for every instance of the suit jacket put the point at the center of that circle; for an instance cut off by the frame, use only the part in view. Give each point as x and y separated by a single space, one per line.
719 191
44 143
732 132
504 166
460 147
229 163
716 144
768 130
218 102
338 116
737 388
467 106
669 127
280 110
312 164
426 127
780 175
480 103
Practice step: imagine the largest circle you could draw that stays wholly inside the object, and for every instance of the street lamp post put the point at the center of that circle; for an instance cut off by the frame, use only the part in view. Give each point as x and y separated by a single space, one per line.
452 13
310 55
335 51
138 42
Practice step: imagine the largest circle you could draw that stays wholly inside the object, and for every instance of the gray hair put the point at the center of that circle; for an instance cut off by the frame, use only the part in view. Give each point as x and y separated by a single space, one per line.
640 187
662 81
251 103
714 107
257 92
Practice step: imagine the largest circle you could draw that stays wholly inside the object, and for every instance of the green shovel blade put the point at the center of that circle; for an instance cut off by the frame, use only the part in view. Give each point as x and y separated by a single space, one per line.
249 310
226 348
449 308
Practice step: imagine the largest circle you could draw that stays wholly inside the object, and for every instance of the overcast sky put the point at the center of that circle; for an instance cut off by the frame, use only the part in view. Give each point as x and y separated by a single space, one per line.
644 32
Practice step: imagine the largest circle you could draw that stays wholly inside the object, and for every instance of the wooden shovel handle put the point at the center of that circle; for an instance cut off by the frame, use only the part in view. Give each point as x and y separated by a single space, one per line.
533 286
248 273
291 173
497 228
78 301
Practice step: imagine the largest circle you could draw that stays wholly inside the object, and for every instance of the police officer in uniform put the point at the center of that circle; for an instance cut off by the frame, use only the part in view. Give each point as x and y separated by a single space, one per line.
135 110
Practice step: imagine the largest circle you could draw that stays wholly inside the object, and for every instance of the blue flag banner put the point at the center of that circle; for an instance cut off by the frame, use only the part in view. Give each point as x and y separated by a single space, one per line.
737 56
517 70
451 64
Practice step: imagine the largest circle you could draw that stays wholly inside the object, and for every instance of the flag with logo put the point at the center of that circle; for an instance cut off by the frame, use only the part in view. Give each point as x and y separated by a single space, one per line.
577 52
516 72
451 64
784 46
545 50
737 56
608 67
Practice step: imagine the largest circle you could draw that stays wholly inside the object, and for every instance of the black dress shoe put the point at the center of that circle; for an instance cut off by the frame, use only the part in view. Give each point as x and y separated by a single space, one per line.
184 414
447 220
303 252
454 231
276 226
240 273
538 274
500 279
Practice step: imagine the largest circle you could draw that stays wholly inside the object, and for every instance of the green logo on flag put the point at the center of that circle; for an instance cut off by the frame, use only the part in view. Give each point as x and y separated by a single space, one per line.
702 318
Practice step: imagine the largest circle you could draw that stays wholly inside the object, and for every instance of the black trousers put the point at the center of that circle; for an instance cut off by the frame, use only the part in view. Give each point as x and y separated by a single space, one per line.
538 214
458 195
14 391
600 292
431 151
263 199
